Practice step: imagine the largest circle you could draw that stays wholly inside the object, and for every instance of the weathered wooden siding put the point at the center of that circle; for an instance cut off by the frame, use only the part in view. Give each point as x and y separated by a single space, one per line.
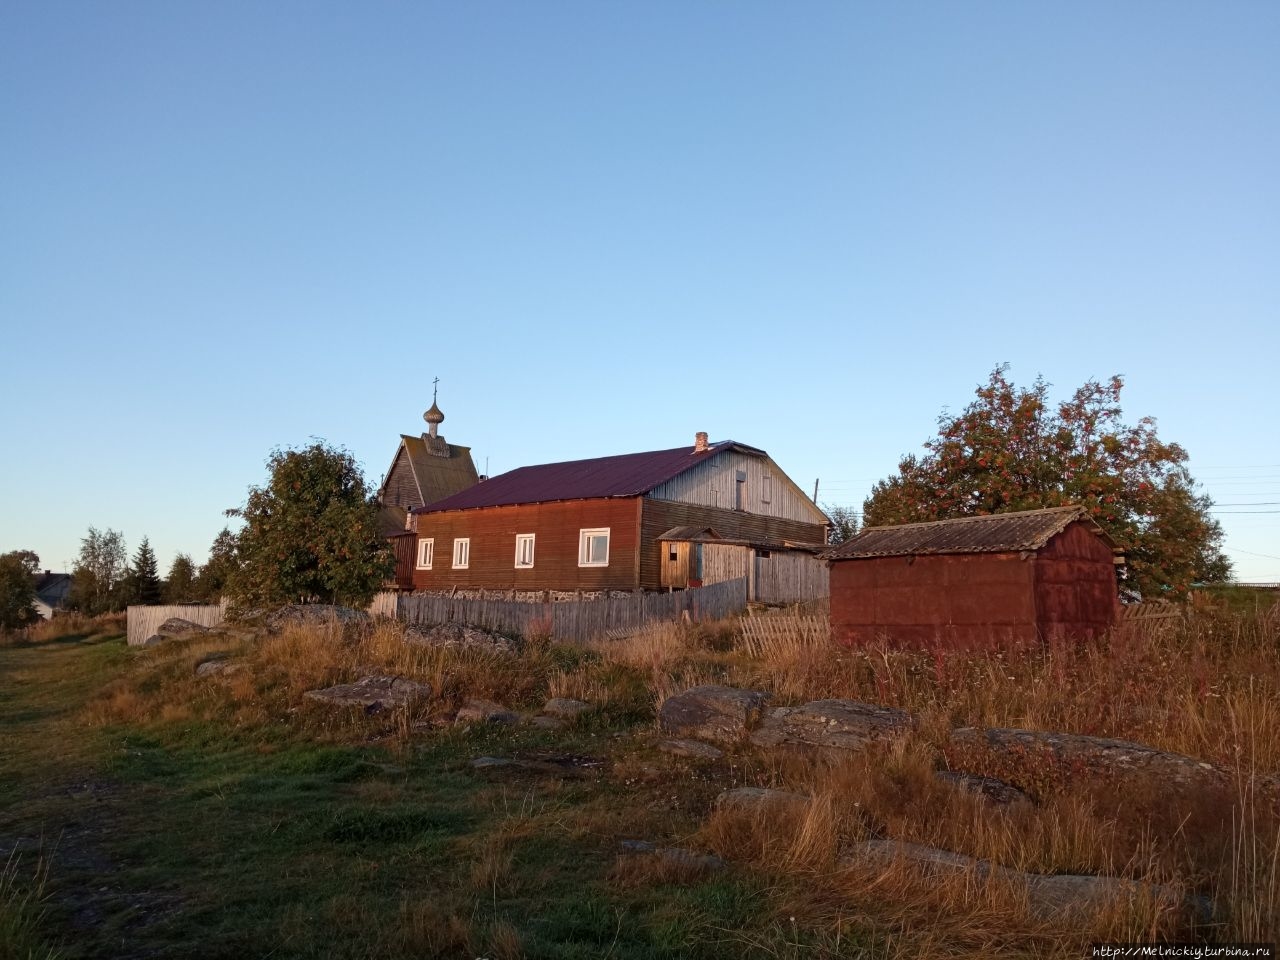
786 576
404 547
556 528
722 562
659 516
143 622
1076 590
713 484
573 621
401 489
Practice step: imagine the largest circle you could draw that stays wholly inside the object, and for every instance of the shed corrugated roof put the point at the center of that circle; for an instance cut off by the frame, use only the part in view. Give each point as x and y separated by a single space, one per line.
625 475
996 533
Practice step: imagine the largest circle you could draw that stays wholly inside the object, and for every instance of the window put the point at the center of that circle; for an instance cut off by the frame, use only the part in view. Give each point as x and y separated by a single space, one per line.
426 551
740 491
524 550
462 553
766 489
593 548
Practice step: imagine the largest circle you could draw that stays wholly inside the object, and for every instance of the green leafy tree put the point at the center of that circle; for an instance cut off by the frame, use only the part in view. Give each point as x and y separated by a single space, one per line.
98 572
180 584
18 570
844 522
311 533
223 559
1010 449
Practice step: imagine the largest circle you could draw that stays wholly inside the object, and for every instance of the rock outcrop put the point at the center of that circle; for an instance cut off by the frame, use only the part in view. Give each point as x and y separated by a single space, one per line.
485 711
843 724
173 629
715 713
1049 895
373 693
676 856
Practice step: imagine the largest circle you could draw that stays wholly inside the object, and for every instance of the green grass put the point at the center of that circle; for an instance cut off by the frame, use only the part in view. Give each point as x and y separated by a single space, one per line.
198 838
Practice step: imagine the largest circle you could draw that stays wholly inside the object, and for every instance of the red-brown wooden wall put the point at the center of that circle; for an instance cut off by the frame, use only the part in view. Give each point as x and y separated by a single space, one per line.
556 528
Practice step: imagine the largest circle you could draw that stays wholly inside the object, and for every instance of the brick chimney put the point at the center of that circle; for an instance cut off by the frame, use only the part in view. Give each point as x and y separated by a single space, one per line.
700 442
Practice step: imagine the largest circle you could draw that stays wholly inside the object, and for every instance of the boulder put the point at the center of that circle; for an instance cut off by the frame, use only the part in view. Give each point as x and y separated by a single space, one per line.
997 791
753 799
172 629
1049 895
456 636
485 711
565 707
219 666
692 749
1026 753
373 693
716 713
544 722
844 724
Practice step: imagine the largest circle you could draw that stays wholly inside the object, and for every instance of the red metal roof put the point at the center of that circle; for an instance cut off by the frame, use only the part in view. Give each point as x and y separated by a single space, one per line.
995 533
626 475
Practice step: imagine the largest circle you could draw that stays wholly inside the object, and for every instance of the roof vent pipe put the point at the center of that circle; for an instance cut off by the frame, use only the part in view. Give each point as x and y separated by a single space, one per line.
700 442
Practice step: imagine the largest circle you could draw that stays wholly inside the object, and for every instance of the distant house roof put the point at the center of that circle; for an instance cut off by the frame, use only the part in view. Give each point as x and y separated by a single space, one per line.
996 533
625 475
53 588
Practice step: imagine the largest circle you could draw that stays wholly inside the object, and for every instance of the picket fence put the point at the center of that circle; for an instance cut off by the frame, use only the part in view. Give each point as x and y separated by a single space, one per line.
574 621
143 622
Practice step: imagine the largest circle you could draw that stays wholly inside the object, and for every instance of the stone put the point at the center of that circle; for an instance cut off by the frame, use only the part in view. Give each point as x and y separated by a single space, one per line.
544 722
676 856
219 666
373 693
456 636
1075 753
693 749
565 766
843 724
565 707
754 799
1049 895
997 791
173 629
485 711
715 713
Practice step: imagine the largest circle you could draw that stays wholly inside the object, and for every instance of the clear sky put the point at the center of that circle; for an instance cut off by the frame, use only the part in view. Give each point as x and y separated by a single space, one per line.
809 227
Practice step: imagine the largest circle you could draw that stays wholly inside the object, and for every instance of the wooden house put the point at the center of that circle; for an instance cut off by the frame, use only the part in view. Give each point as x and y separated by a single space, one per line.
1005 579
425 468
53 590
613 523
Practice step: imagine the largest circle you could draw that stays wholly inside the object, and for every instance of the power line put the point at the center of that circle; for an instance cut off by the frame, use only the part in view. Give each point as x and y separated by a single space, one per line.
1268 556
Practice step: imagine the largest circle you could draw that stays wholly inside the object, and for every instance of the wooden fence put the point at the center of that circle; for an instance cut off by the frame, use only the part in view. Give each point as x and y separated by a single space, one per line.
790 575
143 622
574 620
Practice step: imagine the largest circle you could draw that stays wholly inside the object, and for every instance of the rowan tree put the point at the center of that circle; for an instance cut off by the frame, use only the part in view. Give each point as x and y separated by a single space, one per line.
1010 449
844 522
310 534
217 570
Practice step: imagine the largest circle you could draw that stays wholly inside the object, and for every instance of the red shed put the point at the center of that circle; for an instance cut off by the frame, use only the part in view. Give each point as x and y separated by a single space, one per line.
1004 579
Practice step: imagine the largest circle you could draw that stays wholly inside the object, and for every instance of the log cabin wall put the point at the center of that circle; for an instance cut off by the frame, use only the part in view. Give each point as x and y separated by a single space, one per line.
556 528
401 489
659 516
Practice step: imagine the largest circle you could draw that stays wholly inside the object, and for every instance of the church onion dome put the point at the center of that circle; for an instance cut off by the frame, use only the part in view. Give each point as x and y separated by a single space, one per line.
433 416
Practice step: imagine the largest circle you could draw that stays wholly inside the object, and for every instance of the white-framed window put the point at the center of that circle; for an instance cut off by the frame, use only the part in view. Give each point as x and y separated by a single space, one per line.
593 547
461 553
426 552
524 550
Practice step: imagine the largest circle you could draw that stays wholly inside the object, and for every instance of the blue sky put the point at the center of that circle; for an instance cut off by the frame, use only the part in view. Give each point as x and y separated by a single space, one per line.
809 227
